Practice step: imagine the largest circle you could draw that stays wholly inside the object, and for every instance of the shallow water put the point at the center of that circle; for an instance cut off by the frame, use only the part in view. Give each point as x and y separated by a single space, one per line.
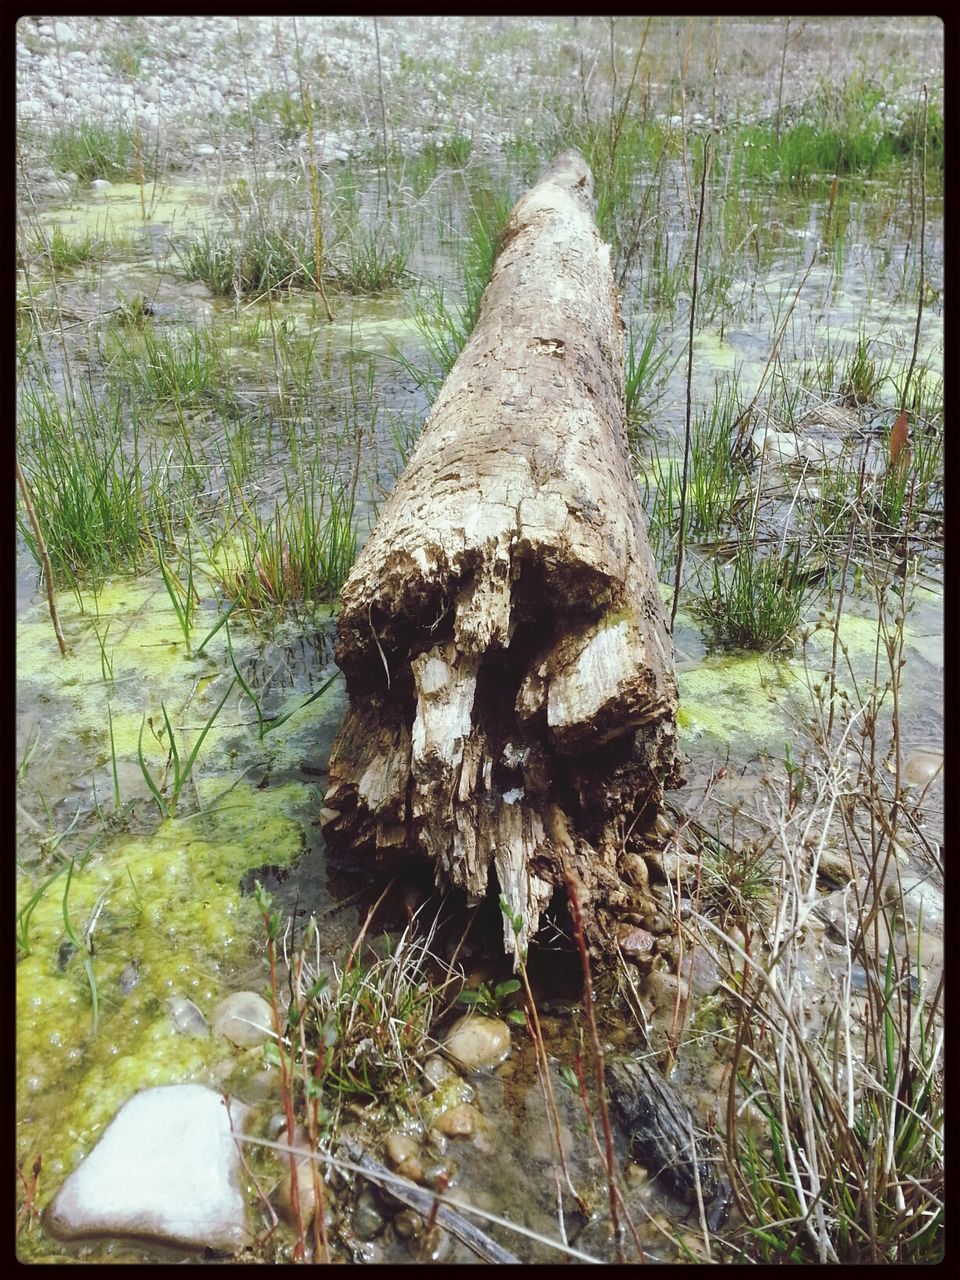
176 898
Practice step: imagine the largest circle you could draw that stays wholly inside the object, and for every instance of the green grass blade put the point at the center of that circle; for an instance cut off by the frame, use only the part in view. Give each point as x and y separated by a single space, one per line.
148 777
205 730
279 720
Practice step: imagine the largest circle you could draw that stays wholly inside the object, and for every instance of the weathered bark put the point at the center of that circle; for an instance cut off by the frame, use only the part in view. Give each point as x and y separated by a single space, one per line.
507 657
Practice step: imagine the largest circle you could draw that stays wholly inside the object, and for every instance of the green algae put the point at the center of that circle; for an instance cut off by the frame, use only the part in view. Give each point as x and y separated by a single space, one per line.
711 349
115 685
448 1094
754 700
168 901
171 902
118 210
743 700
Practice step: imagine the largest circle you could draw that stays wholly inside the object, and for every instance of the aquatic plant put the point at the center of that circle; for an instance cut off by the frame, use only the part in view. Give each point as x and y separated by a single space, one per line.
643 366
717 484
265 723
63 252
182 367
97 494
93 149
182 769
445 329
755 601
861 378
369 262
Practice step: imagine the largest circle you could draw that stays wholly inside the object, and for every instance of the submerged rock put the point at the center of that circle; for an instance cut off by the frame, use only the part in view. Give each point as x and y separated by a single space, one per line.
922 766
244 1018
475 1042
367 1219
166 1168
458 1122
186 1017
303 1176
403 1155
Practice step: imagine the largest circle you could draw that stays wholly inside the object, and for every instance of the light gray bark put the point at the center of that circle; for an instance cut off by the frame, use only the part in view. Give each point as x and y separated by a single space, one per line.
507 656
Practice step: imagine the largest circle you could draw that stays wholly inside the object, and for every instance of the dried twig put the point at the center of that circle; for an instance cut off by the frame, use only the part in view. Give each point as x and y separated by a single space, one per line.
686 433
577 918
44 557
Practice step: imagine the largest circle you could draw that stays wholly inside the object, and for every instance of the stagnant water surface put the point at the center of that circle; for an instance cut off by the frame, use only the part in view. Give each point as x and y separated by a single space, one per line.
164 911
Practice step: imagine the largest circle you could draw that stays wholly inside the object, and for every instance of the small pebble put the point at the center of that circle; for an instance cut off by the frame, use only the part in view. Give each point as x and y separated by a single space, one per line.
700 972
186 1017
244 1018
441 1172
436 1070
662 987
432 1246
367 1220
403 1155
635 942
458 1122
305 1190
407 1224
922 766
400 1147
475 1042
634 870
129 977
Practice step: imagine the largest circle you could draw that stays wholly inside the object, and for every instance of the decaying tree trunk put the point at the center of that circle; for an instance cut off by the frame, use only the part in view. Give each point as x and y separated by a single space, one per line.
506 651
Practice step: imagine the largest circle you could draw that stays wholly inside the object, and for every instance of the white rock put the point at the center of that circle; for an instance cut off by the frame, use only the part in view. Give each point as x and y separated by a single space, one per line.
243 1018
167 1167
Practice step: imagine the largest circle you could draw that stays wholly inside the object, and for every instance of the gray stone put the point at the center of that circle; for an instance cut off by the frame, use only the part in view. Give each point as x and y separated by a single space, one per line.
922 766
244 1018
187 1018
166 1168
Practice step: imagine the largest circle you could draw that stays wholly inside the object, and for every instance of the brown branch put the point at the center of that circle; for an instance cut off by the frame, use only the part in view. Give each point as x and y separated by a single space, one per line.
44 557
577 918
686 433
923 228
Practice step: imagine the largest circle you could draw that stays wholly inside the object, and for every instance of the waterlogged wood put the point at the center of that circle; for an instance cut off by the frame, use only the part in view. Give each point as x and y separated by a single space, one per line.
507 656
660 1129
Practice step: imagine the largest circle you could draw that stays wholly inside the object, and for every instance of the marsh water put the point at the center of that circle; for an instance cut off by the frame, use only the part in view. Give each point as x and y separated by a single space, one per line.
117 905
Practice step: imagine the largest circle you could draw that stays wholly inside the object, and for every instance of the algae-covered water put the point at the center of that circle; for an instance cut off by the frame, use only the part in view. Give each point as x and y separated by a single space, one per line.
136 863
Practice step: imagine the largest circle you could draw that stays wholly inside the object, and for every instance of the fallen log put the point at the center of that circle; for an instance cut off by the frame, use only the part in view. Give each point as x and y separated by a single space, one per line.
505 647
